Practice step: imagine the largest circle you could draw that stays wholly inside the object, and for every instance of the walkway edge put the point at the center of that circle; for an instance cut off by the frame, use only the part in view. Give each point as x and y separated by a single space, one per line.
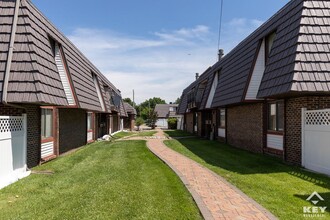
199 202
201 205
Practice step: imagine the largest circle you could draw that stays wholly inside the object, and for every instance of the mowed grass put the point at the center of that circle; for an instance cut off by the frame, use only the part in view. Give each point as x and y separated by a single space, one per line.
178 133
280 188
121 180
122 134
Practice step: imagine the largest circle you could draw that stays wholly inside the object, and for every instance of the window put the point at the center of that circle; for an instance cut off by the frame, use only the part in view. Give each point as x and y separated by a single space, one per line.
222 118
89 121
171 109
269 44
276 116
46 123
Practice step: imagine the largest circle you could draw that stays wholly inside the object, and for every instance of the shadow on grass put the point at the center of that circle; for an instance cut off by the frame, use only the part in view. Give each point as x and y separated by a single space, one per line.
178 133
244 162
324 203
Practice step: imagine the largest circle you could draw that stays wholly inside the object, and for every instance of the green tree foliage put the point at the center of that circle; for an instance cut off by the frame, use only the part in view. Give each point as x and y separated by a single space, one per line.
138 122
146 107
129 101
152 102
172 123
152 119
177 101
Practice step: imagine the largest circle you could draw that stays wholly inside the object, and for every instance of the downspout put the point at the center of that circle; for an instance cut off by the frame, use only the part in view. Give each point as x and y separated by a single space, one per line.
10 57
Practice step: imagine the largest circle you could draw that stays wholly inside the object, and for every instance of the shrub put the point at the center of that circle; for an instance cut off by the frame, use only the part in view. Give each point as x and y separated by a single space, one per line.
138 122
172 123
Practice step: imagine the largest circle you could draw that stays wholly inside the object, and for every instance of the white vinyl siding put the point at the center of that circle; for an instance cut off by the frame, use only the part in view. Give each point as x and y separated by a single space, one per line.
98 90
212 92
257 74
222 132
47 149
89 136
63 75
275 141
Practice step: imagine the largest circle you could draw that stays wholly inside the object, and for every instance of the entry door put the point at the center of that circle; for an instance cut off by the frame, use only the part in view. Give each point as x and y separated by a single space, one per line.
316 140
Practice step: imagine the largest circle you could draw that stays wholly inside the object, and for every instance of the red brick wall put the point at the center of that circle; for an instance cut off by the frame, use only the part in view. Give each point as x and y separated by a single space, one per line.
10 111
129 122
190 122
245 127
72 129
33 135
199 124
33 129
293 123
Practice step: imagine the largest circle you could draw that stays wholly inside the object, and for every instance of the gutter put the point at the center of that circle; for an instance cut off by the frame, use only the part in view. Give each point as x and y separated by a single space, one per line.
10 57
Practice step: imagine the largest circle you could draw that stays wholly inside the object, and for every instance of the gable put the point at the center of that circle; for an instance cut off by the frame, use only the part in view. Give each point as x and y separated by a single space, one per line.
238 64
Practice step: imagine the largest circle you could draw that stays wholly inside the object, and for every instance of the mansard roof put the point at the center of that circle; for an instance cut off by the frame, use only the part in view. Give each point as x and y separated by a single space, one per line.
34 76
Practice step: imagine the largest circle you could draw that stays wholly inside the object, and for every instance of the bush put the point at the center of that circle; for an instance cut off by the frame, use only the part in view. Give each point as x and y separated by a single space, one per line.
172 123
138 122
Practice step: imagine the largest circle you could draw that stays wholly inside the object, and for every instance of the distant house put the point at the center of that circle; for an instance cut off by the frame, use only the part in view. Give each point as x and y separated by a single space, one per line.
129 121
271 93
52 98
165 111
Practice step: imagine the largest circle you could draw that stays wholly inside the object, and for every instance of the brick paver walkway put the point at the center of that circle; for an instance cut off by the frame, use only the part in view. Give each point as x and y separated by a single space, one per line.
215 197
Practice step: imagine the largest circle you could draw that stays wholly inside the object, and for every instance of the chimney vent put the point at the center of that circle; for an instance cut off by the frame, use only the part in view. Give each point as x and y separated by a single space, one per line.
197 76
221 53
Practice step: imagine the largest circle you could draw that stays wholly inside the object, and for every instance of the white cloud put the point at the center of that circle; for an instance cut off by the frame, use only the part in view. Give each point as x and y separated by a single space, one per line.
161 64
236 30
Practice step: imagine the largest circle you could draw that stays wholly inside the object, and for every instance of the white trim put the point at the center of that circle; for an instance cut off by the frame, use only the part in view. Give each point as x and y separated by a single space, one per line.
63 75
98 90
257 74
213 89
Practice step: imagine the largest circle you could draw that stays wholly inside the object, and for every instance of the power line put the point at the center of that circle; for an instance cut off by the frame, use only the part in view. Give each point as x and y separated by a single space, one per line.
220 24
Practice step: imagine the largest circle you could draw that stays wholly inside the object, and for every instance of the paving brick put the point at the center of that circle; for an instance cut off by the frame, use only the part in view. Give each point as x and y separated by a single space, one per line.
215 197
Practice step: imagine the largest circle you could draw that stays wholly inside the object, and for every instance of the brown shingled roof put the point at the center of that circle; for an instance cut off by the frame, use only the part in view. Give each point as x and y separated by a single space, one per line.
34 76
299 60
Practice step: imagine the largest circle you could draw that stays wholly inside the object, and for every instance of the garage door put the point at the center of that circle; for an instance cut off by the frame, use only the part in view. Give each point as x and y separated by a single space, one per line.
12 149
316 140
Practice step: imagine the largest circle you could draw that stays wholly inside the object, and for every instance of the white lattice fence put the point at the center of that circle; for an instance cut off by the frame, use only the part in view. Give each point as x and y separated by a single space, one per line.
12 149
316 140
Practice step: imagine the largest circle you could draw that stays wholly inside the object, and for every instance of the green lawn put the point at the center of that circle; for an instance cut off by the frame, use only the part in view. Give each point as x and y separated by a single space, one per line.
122 134
145 133
120 180
280 188
178 133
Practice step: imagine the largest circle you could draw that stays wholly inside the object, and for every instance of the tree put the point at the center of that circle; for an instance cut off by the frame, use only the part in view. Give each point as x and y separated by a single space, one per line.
177 101
152 119
172 123
152 102
146 107
138 122
129 101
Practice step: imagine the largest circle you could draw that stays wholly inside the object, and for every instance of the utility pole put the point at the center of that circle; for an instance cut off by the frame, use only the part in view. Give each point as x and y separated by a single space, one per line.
133 99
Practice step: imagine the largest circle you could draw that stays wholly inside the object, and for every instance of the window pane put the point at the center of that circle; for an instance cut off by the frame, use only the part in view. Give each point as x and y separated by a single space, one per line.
46 123
89 121
280 116
222 118
272 117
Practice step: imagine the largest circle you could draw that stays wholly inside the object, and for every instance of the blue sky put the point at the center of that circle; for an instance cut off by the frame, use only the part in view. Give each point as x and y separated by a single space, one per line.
155 47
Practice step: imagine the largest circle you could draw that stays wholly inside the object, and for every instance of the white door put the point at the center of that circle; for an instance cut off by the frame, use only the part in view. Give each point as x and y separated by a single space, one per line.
12 149
316 140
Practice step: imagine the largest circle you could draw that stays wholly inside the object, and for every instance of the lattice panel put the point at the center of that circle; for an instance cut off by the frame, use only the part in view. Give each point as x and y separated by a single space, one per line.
317 118
11 125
